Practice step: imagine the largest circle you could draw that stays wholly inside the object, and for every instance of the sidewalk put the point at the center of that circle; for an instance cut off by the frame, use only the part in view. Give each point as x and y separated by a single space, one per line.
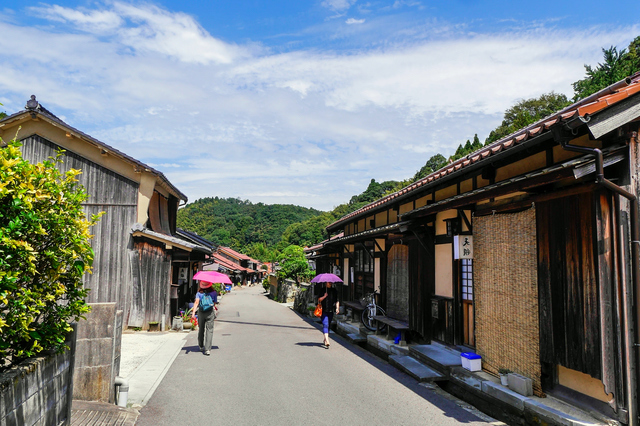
145 359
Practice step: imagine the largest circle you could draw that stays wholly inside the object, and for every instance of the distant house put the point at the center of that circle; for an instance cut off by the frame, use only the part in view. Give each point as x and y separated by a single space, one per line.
247 269
525 251
138 253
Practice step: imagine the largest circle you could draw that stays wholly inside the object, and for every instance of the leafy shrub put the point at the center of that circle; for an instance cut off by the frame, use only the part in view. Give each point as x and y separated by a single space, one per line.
44 251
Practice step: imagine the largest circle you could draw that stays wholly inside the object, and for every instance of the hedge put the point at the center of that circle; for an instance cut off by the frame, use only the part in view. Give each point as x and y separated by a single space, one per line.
44 252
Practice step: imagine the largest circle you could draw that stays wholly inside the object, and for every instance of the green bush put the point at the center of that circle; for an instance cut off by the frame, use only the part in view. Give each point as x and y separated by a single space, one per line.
44 252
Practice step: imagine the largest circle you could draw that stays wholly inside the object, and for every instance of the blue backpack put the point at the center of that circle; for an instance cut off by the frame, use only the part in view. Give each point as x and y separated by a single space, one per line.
206 302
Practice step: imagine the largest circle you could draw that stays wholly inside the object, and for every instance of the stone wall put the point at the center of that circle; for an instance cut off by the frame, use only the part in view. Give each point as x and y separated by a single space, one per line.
39 390
287 290
303 298
98 354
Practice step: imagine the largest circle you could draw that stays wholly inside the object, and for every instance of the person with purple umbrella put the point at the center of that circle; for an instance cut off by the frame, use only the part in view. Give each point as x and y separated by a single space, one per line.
330 305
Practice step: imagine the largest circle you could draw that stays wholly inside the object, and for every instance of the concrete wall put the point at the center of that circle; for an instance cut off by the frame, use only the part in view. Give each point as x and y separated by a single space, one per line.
38 390
98 353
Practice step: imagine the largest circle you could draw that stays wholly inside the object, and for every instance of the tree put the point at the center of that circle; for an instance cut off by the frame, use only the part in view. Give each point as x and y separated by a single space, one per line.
44 252
527 112
615 66
293 264
434 163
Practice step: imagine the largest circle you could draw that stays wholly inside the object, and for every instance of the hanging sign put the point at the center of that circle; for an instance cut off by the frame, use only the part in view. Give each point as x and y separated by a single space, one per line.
463 246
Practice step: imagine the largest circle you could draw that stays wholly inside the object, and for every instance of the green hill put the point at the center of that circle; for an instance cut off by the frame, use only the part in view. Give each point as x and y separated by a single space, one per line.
238 224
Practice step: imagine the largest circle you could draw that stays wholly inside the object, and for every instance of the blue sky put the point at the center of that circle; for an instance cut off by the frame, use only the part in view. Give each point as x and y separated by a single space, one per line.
295 102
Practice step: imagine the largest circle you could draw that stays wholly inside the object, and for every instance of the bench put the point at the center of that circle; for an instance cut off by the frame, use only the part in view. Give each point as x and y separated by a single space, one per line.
394 324
356 307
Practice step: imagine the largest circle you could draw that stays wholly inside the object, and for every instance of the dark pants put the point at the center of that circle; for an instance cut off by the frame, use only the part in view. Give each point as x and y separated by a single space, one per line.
326 321
205 330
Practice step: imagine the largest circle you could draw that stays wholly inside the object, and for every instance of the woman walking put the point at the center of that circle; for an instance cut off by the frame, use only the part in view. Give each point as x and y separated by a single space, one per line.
330 305
206 299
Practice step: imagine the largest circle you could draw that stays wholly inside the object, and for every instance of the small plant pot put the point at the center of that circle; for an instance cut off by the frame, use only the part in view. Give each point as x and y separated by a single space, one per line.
503 380
186 325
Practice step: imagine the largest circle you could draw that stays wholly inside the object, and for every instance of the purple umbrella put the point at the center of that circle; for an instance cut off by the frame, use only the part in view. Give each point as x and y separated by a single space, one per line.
326 278
212 277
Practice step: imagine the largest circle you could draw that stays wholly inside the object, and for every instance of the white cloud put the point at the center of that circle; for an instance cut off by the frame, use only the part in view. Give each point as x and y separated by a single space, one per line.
338 5
308 127
352 21
147 28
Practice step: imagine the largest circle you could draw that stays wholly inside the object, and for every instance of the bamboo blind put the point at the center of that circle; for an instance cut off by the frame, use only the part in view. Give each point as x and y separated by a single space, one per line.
506 294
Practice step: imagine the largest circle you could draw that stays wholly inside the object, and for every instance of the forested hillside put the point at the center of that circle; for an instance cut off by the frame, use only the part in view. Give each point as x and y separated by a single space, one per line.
239 223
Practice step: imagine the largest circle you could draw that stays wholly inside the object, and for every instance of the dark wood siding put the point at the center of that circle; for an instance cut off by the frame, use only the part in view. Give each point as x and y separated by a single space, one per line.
113 194
568 291
421 286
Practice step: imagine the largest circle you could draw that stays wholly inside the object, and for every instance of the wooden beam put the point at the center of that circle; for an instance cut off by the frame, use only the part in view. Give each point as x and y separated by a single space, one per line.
518 186
523 201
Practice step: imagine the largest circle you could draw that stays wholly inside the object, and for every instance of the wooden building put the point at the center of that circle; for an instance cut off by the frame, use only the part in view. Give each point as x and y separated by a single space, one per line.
521 251
246 269
135 242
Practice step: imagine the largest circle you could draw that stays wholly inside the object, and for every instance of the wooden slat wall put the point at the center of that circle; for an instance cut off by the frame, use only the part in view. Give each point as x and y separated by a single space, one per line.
151 267
568 293
111 278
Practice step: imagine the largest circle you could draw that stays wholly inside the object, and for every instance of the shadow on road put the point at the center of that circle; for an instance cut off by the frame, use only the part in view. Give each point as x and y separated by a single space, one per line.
261 324
310 344
448 407
189 349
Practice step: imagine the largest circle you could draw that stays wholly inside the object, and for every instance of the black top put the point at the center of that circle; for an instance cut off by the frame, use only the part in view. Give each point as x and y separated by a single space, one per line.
329 303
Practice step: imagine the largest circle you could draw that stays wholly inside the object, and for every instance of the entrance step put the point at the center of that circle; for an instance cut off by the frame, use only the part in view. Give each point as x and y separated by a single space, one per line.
437 356
415 369
356 338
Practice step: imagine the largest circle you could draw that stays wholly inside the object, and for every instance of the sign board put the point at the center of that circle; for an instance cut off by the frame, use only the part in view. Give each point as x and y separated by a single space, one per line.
182 274
463 246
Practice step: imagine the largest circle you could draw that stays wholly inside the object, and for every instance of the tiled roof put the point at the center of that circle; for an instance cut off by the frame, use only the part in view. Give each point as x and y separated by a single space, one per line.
195 238
587 106
321 244
226 263
140 228
234 253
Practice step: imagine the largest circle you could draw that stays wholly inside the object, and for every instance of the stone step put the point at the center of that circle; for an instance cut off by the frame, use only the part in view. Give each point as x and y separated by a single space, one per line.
356 338
436 356
415 369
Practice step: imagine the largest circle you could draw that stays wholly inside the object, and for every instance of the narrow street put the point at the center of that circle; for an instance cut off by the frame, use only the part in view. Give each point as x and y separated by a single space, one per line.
268 367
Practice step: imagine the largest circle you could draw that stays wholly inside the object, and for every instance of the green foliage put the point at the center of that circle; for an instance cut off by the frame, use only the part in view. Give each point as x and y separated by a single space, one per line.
239 224
527 112
293 265
44 252
434 163
467 149
616 65
374 191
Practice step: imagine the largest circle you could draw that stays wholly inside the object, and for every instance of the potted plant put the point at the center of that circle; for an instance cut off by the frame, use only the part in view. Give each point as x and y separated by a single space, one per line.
504 373
153 326
187 321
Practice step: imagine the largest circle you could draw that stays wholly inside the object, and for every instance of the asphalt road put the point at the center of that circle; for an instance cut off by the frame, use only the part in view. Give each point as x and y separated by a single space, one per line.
268 367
